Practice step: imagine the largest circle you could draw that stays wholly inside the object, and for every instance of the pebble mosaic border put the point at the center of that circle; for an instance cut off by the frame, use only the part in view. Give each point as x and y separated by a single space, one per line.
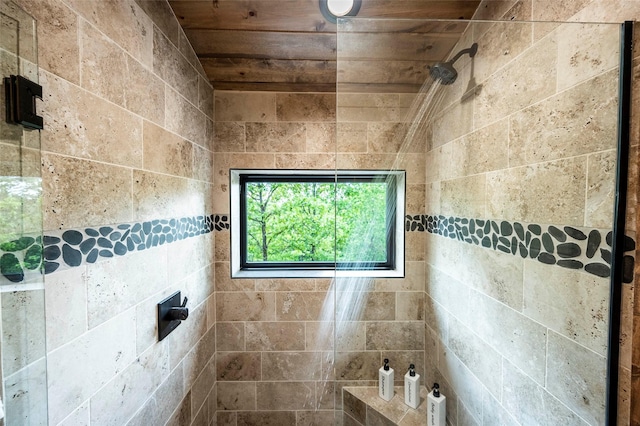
568 247
75 247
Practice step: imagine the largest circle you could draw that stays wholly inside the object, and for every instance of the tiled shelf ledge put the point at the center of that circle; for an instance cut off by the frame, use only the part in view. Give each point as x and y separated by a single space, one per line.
361 406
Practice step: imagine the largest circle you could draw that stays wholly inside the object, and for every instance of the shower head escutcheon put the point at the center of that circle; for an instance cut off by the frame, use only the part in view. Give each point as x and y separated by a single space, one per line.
445 72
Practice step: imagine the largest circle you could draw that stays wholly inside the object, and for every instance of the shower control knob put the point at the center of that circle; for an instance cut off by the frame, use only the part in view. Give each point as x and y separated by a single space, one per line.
179 312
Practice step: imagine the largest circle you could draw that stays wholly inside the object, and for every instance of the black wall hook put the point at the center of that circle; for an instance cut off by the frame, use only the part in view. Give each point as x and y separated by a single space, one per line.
170 314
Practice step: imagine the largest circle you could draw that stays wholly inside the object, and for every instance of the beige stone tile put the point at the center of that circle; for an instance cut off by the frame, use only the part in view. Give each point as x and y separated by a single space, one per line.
306 107
58 25
187 258
225 283
245 306
357 365
205 95
351 137
222 249
305 161
286 284
185 119
124 22
230 336
387 137
574 122
203 165
147 372
576 376
450 293
601 182
144 92
572 303
244 106
438 163
467 387
285 395
626 327
397 335
238 366
493 413
409 306
302 306
226 418
414 247
236 396
368 107
109 292
200 358
551 192
499 43
319 335
82 125
585 51
26 393
266 418
481 151
101 200
291 366
165 152
516 337
71 380
187 335
175 69
321 137
156 195
450 124
536 67
24 310
316 418
229 136
624 396
365 306
275 336
163 17
463 197
275 137
66 306
413 281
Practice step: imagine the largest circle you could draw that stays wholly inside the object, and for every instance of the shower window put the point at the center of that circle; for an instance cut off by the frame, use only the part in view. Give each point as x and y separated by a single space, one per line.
312 223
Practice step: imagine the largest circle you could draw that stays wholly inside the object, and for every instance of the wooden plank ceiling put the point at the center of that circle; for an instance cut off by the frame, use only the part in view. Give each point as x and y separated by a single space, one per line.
287 45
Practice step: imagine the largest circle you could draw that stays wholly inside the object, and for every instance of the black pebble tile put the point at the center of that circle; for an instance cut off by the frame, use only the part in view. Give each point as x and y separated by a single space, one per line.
568 250
629 243
72 237
91 232
534 248
106 253
606 255
575 233
92 256
120 249
547 258
519 230
503 249
494 240
505 228
50 267
124 226
523 250
125 235
87 245
571 264
115 236
146 228
52 252
105 230
557 234
609 238
593 242
104 243
136 228
598 269
547 243
71 256
504 241
136 239
47 240
535 229
495 227
472 226
130 244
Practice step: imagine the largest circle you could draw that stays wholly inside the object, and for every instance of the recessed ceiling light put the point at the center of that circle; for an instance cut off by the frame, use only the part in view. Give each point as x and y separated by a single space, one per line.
333 9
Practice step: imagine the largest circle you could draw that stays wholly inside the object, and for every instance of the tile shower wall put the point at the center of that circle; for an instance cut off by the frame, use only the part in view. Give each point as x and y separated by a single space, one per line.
128 123
542 352
275 338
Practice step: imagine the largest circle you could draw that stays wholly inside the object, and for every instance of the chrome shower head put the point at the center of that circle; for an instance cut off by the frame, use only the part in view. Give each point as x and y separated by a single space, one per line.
445 72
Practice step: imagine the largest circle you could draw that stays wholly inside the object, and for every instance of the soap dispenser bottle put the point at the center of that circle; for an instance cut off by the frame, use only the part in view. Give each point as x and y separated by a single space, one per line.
436 407
412 387
385 382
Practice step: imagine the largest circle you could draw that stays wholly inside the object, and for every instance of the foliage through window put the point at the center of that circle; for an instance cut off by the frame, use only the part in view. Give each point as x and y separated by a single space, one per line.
310 223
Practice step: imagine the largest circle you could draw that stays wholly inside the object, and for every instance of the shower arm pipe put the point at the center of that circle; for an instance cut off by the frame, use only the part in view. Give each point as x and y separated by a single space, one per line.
620 207
470 50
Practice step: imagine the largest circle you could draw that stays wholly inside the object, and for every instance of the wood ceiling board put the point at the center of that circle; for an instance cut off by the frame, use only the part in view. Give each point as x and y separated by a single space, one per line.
273 87
383 72
260 44
270 70
398 46
373 25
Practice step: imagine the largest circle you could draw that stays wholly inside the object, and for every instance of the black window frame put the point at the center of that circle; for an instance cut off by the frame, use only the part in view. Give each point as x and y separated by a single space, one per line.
302 269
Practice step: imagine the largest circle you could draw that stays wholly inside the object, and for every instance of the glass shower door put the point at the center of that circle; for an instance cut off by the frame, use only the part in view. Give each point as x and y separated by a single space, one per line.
22 321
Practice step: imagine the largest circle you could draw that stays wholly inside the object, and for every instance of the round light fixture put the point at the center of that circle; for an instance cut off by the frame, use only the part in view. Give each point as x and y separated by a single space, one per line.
333 9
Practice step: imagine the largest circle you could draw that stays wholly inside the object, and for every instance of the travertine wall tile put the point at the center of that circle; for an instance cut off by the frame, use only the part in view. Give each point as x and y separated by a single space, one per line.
305 107
238 366
255 107
66 307
294 366
236 396
275 336
246 306
175 69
